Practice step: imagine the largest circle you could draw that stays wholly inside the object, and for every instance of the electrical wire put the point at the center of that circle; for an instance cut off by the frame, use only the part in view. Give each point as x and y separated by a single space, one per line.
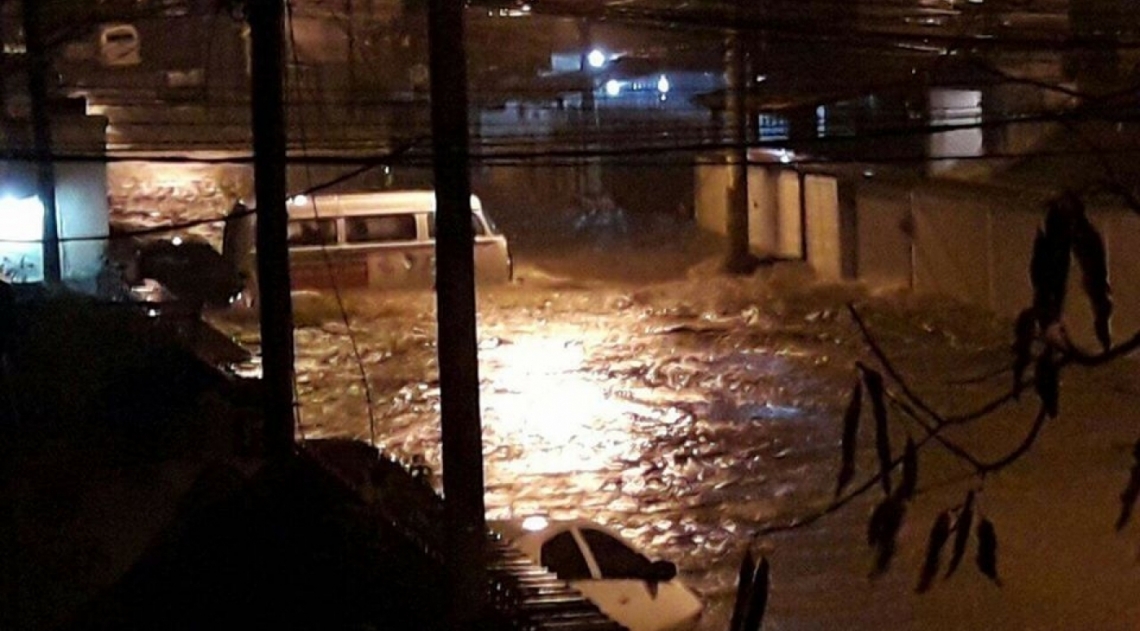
367 386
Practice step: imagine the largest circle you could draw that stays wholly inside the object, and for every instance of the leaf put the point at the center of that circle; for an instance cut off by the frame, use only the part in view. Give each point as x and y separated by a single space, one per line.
1046 380
1024 331
758 602
939 534
883 529
1129 494
987 550
1088 248
1049 273
743 590
850 435
909 472
961 534
874 383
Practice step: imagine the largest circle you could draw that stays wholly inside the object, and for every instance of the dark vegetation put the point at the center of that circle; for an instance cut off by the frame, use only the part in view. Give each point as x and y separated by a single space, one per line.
135 498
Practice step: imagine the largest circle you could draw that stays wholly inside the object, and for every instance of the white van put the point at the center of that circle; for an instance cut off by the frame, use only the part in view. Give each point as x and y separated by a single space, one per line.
381 240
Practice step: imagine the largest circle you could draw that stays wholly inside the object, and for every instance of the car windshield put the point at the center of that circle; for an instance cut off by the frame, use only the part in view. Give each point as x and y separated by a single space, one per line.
561 555
615 559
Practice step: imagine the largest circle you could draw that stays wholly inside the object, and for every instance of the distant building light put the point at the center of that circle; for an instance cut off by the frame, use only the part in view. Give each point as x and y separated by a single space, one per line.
21 233
761 78
596 58
663 85
21 220
613 87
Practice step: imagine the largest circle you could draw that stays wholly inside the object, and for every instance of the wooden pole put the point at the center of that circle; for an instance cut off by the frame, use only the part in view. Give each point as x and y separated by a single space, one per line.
266 29
739 259
455 312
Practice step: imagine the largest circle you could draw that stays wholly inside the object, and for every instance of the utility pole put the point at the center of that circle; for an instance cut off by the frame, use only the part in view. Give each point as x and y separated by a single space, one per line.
266 31
455 313
739 259
590 177
41 129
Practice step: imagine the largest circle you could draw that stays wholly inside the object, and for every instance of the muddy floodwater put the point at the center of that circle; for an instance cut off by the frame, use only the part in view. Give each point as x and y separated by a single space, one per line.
690 409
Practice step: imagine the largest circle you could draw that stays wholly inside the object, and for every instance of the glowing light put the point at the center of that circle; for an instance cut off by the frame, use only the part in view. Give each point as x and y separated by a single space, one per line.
613 87
785 157
663 85
556 414
299 200
535 523
21 219
176 240
596 58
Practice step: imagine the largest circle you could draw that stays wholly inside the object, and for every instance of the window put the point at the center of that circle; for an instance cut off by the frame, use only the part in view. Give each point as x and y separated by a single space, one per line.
312 232
477 227
615 559
562 556
382 229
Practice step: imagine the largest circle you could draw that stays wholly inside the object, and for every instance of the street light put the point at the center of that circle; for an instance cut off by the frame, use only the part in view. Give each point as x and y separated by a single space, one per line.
596 59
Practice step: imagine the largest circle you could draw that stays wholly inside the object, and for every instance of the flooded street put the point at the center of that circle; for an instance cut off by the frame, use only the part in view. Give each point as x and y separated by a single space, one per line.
686 409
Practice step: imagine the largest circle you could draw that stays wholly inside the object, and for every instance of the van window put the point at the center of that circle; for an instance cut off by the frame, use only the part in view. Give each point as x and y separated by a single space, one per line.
312 232
381 228
477 227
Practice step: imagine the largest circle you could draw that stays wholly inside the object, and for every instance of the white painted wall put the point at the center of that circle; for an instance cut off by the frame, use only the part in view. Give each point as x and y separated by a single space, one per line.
81 201
821 210
789 240
763 210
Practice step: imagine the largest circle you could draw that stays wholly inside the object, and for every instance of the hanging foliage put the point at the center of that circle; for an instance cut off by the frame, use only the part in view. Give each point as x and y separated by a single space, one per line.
987 550
962 527
882 532
850 436
1052 251
939 534
874 383
1130 493
909 472
743 591
1088 248
1025 330
1046 380
758 601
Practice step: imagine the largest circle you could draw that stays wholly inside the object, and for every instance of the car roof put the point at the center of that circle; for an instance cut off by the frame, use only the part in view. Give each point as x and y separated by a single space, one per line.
370 203
513 531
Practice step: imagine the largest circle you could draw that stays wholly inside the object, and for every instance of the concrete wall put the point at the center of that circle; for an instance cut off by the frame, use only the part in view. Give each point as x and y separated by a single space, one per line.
774 207
884 230
972 243
710 197
821 215
789 237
